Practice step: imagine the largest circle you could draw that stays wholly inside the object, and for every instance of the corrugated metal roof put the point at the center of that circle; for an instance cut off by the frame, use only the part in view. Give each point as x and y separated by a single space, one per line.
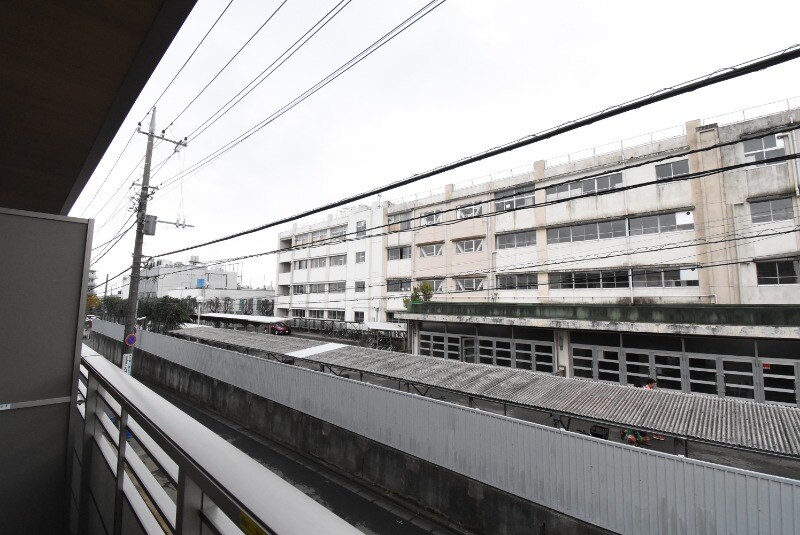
745 424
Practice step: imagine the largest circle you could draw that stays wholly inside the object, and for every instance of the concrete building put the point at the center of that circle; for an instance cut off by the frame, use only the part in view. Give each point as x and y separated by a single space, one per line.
332 269
92 282
165 276
650 225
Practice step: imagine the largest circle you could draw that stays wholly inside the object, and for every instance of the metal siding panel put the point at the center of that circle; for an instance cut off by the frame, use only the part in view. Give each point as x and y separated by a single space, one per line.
618 487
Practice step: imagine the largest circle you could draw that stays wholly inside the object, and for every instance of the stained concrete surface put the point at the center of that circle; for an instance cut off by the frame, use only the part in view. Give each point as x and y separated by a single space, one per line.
367 510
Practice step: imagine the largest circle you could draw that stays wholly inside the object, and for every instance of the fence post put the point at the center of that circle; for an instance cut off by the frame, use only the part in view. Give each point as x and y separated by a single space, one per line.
190 503
90 406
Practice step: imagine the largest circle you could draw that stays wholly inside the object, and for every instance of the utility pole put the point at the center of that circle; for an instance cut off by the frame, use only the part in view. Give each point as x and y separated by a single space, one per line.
136 266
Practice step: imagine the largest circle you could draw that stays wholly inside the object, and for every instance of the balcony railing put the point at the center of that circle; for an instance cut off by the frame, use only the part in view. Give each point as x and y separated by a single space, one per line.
157 470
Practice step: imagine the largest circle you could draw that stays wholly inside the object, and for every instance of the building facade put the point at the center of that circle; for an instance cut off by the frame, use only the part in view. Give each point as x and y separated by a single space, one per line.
693 220
165 276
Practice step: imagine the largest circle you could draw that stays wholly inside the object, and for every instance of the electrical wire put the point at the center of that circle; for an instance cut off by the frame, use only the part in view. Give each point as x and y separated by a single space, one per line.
228 63
108 174
309 92
190 56
742 69
291 50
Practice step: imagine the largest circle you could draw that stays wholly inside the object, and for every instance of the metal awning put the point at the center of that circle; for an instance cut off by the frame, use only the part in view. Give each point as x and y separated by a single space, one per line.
385 326
243 318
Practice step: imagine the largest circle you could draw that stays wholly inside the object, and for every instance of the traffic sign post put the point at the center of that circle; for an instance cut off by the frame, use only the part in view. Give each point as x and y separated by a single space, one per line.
127 358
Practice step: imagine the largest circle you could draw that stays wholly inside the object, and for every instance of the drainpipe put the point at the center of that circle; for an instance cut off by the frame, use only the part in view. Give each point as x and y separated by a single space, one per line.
788 138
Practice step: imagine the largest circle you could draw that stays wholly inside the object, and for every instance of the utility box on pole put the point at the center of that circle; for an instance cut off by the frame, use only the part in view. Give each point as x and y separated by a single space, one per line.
150 225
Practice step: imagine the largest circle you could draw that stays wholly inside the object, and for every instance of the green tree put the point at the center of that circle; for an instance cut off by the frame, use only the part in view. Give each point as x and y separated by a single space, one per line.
266 307
213 304
114 308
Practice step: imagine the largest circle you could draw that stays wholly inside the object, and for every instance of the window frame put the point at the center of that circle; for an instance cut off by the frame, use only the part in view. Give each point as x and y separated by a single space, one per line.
462 286
671 166
363 257
337 260
761 266
476 245
779 150
438 249
469 210
404 253
400 221
398 285
772 211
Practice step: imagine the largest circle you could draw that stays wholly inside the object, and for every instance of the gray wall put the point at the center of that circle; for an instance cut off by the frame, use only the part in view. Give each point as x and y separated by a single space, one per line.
611 485
43 260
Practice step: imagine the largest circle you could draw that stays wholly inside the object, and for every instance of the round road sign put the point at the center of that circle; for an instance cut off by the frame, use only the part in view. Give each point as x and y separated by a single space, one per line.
130 340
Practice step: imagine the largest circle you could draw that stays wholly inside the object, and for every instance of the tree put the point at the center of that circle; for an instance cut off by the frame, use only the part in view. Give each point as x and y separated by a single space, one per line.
213 304
227 305
247 306
92 303
114 308
419 293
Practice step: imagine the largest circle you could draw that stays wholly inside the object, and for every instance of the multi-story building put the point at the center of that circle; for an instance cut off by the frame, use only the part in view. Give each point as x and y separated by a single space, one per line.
651 225
163 277
334 269
92 282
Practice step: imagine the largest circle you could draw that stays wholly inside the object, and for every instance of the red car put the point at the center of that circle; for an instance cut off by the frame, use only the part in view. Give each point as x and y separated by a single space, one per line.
278 328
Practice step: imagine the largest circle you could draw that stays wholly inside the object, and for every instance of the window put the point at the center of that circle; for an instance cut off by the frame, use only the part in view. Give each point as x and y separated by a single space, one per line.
317 262
300 264
298 289
518 281
302 239
436 284
434 249
758 150
361 286
361 229
339 260
430 218
672 169
465 211
777 272
517 239
469 246
772 210
665 277
653 224
358 317
319 235
337 315
399 253
316 288
589 279
316 314
336 287
583 187
398 285
469 285
338 232
298 313
361 257
401 221
513 198
588 231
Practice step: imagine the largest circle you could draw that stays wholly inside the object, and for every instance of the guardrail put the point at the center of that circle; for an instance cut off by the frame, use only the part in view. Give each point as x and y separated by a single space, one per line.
145 466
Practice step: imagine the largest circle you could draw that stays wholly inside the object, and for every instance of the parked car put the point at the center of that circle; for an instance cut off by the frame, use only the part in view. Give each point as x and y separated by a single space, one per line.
278 328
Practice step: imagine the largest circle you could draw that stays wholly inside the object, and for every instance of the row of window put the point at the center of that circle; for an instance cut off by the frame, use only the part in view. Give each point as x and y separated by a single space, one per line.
520 354
333 261
770 380
630 226
755 150
773 272
337 315
319 288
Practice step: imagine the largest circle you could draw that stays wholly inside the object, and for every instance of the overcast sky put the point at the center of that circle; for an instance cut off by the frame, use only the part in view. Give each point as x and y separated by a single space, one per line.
468 77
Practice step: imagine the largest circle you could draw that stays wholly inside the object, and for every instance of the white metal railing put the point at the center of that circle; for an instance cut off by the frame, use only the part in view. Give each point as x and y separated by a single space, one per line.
754 112
171 472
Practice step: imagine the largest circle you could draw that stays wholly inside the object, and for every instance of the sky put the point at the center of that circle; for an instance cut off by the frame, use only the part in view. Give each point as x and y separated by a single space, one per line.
467 77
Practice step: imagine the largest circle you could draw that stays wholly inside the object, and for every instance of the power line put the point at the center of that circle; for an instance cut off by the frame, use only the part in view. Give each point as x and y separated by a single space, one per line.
116 234
557 201
309 92
228 63
122 235
190 56
297 45
718 76
109 174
